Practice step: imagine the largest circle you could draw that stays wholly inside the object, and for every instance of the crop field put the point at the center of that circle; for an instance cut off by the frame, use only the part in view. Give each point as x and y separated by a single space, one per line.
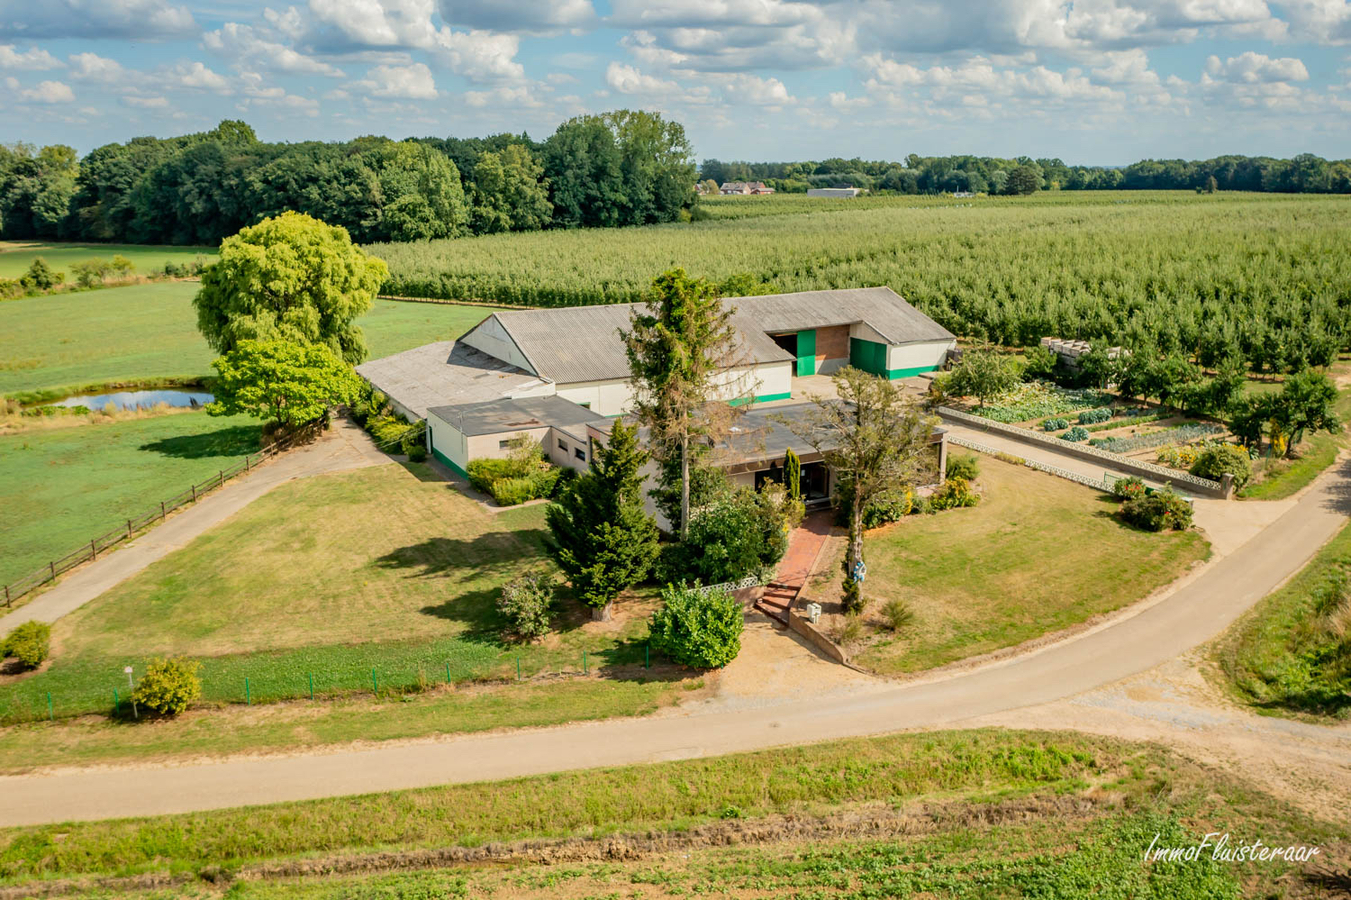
1125 265
17 256
149 331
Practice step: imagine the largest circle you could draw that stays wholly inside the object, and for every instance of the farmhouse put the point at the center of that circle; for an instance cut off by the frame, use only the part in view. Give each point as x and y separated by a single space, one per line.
559 374
745 187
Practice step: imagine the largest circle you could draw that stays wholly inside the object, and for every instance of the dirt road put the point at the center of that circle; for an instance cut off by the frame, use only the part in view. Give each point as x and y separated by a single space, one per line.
1193 614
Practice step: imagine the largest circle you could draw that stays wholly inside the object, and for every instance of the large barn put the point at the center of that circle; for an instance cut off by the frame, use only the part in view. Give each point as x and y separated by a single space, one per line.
548 372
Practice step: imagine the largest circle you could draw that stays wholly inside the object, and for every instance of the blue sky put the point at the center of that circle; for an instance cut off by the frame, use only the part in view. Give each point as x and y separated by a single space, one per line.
1090 81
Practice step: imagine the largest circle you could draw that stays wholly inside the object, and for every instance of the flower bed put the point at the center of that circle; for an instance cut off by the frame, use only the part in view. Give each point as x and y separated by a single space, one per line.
1036 399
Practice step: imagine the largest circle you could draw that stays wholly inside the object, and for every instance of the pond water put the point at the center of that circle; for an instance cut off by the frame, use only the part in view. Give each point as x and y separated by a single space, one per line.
139 399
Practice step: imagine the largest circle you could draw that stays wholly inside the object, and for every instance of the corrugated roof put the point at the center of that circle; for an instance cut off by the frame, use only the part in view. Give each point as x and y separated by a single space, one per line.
573 344
504 416
581 343
433 374
881 308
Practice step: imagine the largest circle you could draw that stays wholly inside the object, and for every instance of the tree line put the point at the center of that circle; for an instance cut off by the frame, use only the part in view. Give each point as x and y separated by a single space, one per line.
1305 173
619 168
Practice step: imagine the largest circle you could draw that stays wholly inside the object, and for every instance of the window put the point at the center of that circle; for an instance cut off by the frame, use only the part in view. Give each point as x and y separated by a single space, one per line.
563 445
502 445
578 452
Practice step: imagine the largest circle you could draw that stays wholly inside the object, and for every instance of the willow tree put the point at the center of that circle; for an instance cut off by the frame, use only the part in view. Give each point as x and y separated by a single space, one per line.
677 344
874 438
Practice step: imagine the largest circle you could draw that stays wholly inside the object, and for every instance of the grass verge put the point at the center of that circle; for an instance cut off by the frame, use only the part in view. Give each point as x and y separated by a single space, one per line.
1286 656
1038 554
1090 808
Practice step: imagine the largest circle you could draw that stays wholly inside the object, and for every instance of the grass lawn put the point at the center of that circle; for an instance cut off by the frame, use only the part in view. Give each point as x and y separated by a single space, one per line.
382 568
1279 658
17 256
149 331
968 813
60 487
1038 554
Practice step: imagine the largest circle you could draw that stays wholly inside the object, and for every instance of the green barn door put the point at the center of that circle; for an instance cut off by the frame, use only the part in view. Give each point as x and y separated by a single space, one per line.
806 353
869 356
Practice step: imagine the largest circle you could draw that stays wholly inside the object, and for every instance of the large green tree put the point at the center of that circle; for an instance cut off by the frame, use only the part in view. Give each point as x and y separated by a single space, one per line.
280 381
676 344
291 277
600 535
874 438
983 373
509 192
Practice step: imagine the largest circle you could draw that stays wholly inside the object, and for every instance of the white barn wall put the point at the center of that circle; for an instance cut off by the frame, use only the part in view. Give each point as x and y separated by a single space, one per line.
492 339
925 354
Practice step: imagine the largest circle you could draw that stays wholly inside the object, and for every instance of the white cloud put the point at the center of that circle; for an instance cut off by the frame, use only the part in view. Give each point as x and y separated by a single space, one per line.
155 102
629 80
92 67
374 23
534 16
413 82
248 46
743 88
44 92
519 96
34 59
138 19
1256 68
480 55
196 76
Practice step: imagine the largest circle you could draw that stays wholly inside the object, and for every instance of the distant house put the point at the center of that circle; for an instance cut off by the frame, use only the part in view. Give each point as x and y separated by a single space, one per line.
839 193
745 187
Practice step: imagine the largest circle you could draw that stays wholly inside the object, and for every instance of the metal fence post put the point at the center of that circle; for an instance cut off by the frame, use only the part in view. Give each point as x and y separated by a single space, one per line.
117 702
248 694
647 656
375 683
583 662
311 685
50 717
447 673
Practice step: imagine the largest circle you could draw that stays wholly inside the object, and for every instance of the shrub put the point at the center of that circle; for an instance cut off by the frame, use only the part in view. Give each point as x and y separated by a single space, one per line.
41 277
29 644
168 686
483 472
730 537
1075 434
697 628
525 602
511 491
953 493
897 614
10 288
966 466
1126 488
417 453
851 596
887 507
1095 416
1054 424
1157 511
849 630
1218 459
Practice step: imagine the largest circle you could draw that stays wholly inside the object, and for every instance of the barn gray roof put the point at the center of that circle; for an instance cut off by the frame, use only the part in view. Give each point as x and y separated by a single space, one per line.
504 416
581 343
446 371
573 344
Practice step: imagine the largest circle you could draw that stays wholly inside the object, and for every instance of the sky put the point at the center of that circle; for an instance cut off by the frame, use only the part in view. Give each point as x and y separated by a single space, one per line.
1089 81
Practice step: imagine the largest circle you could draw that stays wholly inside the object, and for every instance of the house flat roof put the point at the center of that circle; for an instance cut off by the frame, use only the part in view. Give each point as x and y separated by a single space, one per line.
504 416
444 372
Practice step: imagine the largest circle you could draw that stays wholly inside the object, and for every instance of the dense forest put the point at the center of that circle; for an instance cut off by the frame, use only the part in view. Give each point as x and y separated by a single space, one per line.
915 174
620 168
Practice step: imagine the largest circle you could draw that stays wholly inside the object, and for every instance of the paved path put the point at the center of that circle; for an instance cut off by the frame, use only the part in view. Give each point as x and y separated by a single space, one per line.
1193 614
1028 450
798 562
344 446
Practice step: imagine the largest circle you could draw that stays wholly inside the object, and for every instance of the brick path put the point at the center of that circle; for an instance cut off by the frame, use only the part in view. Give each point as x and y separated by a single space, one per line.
804 545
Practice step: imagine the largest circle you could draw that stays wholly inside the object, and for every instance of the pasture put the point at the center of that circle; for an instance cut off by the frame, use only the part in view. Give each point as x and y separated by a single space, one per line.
1130 265
60 486
149 331
17 256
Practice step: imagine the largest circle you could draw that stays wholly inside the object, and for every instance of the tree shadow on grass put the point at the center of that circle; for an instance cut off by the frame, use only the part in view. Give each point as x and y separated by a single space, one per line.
233 441
492 554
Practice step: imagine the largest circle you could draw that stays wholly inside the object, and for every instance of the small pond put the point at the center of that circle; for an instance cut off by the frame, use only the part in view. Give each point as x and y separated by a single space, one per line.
139 399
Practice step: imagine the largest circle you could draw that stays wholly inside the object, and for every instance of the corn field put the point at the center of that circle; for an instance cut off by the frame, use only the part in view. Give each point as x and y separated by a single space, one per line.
1174 269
